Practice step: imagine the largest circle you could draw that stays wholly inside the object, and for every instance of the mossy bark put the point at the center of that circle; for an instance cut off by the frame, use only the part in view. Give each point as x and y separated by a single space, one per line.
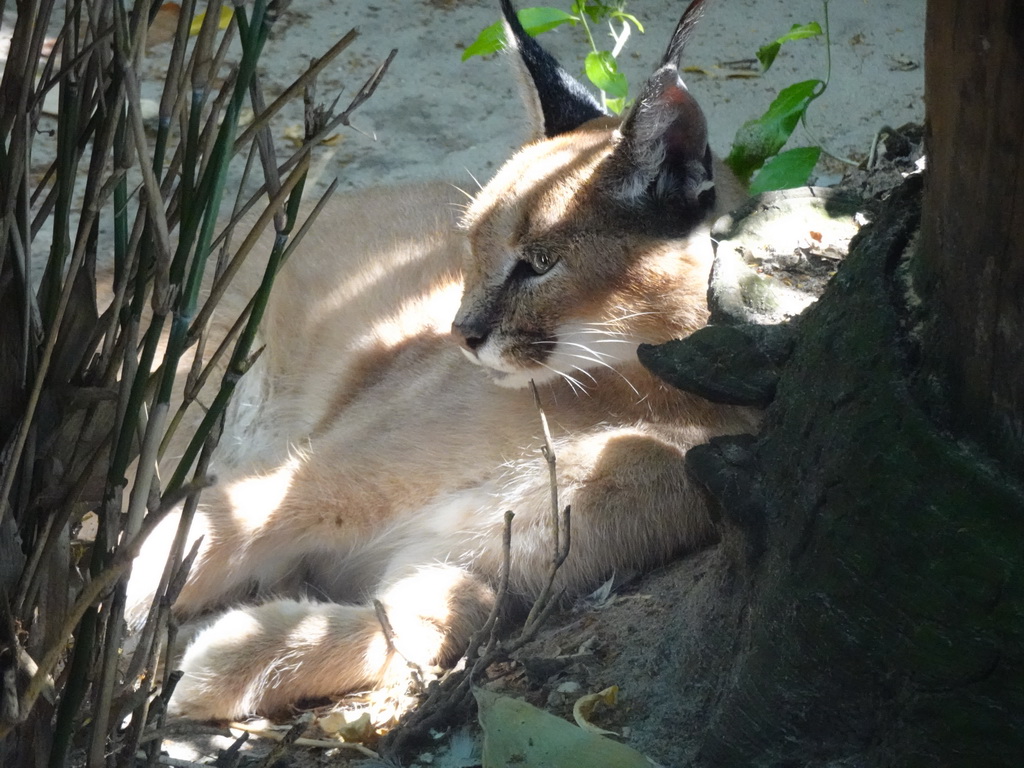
885 608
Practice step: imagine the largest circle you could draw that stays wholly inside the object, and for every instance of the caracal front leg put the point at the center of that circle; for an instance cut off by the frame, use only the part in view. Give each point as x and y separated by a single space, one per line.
267 658
253 541
633 508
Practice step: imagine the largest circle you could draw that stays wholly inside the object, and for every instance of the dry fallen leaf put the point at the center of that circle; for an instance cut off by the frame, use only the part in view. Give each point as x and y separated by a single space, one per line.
225 18
164 25
296 135
348 726
584 707
728 73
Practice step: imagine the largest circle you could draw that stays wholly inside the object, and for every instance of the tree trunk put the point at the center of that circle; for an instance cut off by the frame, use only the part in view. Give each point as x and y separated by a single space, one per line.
971 268
884 608
879 546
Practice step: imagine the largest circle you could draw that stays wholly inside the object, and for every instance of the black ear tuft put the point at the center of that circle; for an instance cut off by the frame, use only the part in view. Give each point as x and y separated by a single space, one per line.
564 103
689 20
663 151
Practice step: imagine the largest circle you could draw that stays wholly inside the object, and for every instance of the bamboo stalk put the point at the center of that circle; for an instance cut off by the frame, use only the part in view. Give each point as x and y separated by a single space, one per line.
162 237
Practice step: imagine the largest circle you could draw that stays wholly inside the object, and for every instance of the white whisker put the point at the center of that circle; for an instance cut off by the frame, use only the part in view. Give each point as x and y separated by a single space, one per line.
457 188
589 359
555 343
595 360
474 178
610 368
585 372
576 385
610 332
572 382
629 316
586 348
599 332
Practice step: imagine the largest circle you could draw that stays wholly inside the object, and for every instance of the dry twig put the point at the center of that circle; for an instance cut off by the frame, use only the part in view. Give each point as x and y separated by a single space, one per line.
301 741
451 696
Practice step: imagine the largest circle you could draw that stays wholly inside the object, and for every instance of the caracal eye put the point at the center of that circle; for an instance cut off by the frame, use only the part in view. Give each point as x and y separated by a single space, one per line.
540 259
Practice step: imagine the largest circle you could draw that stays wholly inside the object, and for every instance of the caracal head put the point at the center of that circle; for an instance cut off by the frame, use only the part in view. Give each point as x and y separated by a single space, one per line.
593 238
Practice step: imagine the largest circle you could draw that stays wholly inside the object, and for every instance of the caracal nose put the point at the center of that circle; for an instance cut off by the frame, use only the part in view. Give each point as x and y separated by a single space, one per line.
470 332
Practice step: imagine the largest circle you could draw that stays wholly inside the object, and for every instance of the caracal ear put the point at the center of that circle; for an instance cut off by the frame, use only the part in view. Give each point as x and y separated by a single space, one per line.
556 101
662 155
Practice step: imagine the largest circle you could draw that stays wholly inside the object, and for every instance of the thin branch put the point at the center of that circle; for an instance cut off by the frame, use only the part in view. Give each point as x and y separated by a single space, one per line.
490 627
14 457
548 452
364 93
89 596
287 739
453 692
560 528
385 625
264 116
243 318
155 211
389 641
302 742
276 204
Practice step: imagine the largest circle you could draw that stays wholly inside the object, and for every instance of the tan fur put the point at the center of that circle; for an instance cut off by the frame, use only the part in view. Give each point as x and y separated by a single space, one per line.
370 457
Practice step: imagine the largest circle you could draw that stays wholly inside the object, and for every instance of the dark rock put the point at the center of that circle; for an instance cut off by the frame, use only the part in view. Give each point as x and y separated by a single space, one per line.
727 468
737 365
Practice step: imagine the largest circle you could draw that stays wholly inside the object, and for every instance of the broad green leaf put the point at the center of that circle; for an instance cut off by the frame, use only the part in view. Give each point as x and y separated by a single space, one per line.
786 170
603 72
759 139
538 20
534 20
767 53
518 734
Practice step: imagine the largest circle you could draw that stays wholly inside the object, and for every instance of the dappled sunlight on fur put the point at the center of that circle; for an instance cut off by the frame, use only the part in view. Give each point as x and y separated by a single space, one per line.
408 318
254 497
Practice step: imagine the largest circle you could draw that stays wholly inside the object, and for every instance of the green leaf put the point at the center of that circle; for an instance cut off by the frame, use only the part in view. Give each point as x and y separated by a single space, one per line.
534 21
786 170
766 54
597 11
759 139
623 16
538 20
519 734
490 40
615 106
603 72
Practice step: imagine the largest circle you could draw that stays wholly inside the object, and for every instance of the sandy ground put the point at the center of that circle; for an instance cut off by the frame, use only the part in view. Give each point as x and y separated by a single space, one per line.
435 116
